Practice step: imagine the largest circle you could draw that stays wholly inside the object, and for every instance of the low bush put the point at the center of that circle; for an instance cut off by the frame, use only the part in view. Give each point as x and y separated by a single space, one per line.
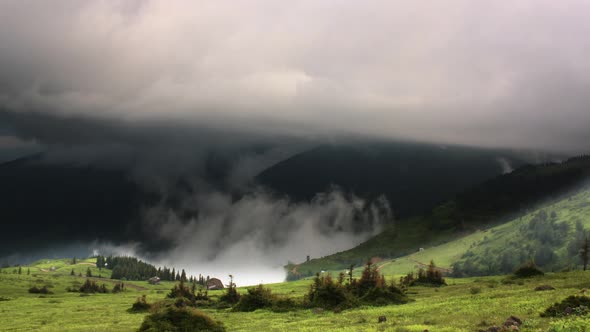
544 288
325 293
284 304
140 305
91 286
175 319
572 305
378 296
257 297
231 295
119 287
475 290
42 290
528 270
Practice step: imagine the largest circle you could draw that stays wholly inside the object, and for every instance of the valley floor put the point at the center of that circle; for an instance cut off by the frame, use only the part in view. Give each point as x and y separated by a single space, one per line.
467 304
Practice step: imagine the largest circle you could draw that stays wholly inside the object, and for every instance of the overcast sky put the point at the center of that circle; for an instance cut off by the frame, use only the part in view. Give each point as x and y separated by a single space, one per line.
501 73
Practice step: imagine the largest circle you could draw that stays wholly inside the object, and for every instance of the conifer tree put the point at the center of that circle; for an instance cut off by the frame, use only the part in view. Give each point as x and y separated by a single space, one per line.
20 270
88 273
72 273
183 276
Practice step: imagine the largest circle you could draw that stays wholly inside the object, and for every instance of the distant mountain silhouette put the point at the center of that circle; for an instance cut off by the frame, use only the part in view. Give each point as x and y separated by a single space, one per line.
43 203
414 177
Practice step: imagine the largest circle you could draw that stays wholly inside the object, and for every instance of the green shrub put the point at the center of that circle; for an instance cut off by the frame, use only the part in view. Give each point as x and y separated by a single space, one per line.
231 295
180 320
573 305
324 293
432 276
378 296
91 286
475 290
284 304
140 305
528 270
257 297
577 324
42 290
119 287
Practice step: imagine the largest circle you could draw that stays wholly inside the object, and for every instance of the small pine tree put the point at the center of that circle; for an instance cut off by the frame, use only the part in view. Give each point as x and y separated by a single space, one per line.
183 276
231 296
74 260
20 270
88 273
28 271
72 273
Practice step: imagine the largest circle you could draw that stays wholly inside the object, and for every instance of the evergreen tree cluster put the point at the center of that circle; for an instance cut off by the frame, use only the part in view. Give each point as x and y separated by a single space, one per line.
542 239
188 294
128 268
371 288
431 276
131 268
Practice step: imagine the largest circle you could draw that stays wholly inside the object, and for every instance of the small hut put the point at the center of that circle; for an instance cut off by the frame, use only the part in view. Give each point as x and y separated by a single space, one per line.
214 283
154 280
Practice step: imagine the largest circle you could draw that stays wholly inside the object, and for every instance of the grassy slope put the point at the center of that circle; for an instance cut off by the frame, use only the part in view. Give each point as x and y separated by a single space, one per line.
489 203
451 308
570 210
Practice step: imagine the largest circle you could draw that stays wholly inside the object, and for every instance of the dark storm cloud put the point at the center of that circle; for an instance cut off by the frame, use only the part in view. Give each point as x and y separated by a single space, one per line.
162 88
476 72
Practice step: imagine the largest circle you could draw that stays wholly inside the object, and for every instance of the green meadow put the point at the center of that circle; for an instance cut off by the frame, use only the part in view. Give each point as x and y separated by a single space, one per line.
466 304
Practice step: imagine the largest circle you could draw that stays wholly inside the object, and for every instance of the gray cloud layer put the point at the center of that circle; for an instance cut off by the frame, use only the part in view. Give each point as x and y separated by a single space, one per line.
476 72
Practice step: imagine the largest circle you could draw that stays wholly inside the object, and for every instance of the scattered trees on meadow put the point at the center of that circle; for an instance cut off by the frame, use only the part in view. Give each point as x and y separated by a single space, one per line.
91 286
540 239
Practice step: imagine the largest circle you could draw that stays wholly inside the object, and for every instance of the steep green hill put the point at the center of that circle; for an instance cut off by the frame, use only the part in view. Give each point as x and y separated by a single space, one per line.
550 235
489 204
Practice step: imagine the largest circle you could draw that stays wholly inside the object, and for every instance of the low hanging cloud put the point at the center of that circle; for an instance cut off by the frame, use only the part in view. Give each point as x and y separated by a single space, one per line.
256 236
476 72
